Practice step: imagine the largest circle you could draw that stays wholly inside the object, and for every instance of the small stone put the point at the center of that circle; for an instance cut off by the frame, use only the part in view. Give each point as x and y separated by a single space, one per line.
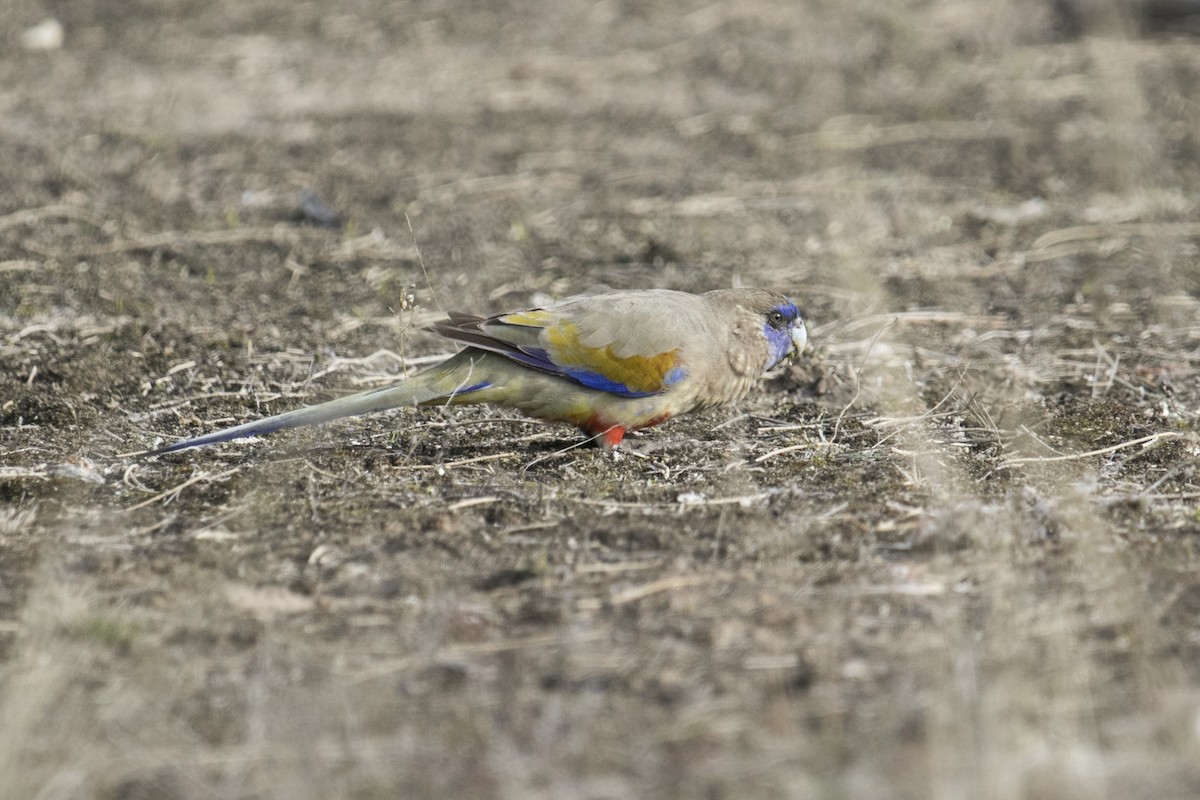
46 35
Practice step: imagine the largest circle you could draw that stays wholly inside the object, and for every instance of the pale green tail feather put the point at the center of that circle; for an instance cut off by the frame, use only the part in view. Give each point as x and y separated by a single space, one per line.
450 381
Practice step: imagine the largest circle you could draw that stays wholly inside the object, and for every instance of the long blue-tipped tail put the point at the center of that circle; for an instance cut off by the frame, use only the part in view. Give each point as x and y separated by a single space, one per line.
437 383
366 402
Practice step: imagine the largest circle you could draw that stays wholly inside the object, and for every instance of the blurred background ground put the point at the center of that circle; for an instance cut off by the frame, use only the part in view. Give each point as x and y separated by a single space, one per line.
952 553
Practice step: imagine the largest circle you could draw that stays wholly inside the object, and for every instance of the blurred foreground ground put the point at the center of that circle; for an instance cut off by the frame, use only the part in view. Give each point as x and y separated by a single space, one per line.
951 554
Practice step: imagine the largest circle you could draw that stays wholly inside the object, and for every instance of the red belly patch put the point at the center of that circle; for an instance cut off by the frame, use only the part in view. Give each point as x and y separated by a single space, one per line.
610 434
659 420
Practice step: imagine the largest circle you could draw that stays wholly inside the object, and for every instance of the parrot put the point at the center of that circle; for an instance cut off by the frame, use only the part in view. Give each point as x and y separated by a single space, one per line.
608 363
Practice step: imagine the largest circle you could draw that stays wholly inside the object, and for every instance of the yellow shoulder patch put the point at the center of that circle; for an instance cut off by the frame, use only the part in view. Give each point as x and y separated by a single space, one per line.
534 318
641 374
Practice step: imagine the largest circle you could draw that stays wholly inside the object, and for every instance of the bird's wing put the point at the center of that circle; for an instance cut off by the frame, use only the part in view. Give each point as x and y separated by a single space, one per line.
627 344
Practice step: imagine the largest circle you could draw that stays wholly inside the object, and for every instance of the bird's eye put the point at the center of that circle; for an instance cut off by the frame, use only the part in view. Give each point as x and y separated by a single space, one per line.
776 319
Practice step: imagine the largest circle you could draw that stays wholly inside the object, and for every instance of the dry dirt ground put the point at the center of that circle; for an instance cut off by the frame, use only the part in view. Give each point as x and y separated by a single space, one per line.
951 553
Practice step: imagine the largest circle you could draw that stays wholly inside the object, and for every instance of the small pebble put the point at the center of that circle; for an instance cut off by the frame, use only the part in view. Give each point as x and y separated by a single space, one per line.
46 35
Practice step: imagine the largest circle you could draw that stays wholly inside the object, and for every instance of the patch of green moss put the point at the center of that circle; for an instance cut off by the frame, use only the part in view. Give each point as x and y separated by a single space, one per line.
107 629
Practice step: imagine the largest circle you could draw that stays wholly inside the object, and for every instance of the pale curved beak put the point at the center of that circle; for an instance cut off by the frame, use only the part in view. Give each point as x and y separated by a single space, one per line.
799 337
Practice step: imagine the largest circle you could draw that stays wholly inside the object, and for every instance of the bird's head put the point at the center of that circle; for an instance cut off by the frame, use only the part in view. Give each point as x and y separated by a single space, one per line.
783 327
757 317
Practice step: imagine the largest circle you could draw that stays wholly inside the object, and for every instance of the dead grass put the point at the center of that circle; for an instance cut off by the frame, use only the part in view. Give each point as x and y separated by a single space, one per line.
952 553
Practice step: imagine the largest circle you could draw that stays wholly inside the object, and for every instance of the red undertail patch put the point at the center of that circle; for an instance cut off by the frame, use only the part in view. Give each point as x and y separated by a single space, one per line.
609 434
613 436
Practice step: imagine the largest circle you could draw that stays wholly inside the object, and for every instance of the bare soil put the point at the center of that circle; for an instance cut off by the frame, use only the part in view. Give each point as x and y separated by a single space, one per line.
952 552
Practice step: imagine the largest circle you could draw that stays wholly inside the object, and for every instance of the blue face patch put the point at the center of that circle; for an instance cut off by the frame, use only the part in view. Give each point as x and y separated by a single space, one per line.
778 343
779 339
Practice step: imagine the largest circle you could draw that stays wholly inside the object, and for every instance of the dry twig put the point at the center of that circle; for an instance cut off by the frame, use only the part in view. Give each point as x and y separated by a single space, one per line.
175 490
1148 441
